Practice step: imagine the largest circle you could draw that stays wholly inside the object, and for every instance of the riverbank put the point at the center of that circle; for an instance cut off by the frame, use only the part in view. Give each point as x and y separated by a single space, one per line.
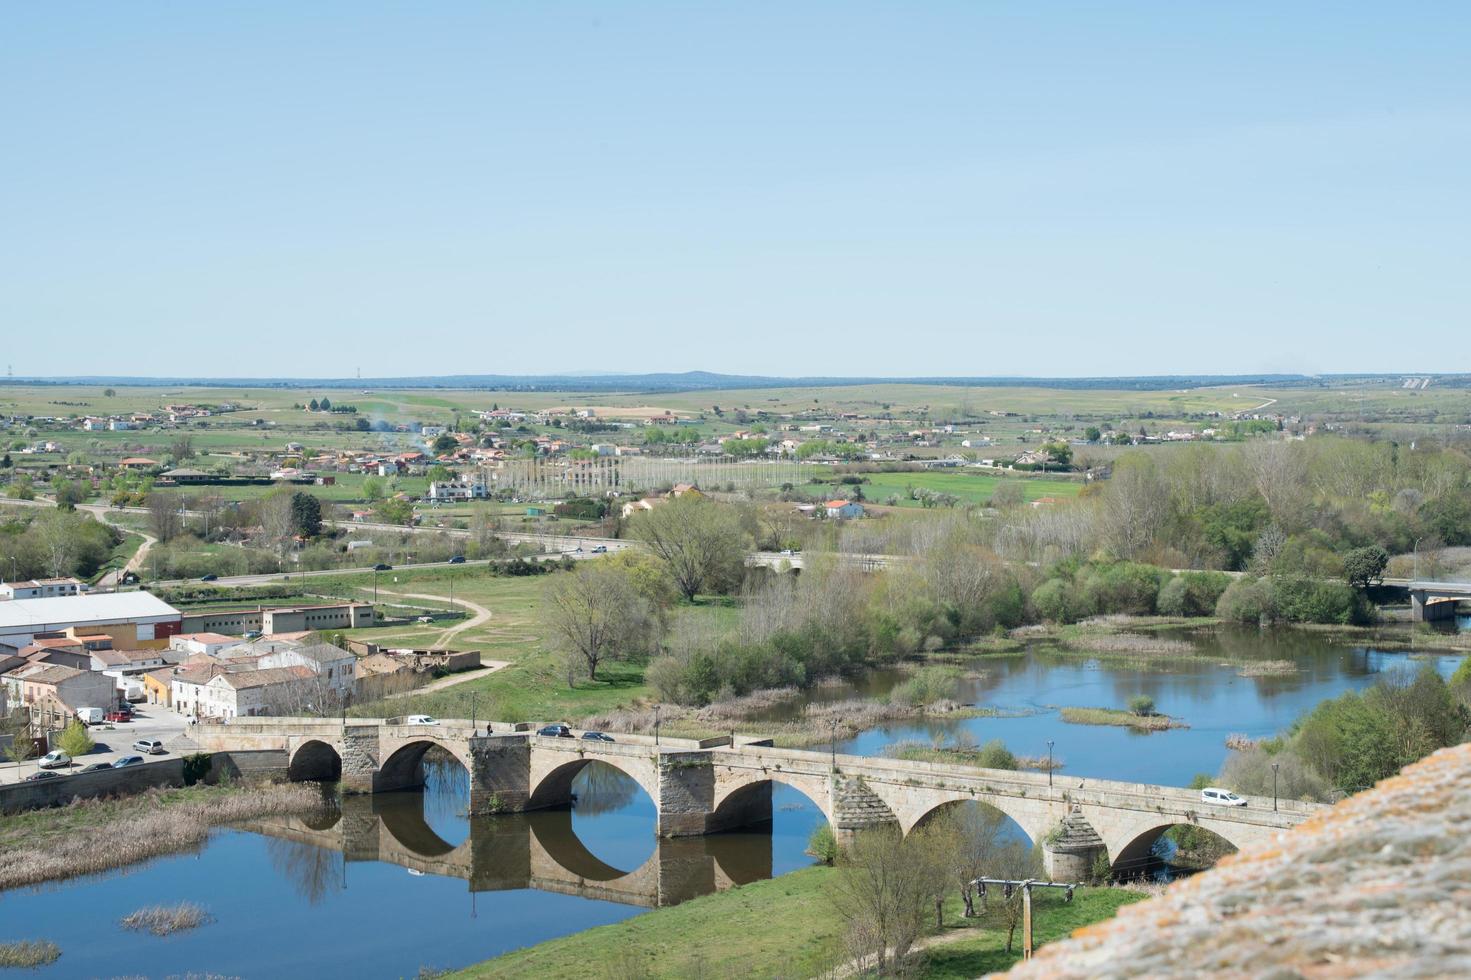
784 927
98 835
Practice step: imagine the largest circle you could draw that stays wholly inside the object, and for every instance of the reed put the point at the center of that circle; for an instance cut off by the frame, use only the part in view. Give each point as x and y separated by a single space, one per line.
165 920
95 835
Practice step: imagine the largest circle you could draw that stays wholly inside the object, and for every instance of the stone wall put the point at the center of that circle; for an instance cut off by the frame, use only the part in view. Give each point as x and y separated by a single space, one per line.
91 785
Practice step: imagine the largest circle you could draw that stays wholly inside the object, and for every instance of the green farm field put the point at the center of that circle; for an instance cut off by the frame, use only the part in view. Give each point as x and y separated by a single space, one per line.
971 488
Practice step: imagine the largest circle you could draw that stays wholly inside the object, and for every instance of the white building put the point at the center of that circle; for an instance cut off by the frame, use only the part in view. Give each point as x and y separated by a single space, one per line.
464 487
42 588
207 644
128 616
333 666
216 692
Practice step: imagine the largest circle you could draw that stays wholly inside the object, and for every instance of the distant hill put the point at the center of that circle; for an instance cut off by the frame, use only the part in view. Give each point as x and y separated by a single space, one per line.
709 381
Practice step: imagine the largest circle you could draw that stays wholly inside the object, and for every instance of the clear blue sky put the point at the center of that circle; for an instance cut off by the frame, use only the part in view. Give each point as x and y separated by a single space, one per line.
846 188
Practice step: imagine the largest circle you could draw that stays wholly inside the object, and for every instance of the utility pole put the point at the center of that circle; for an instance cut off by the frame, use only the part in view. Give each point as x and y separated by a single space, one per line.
1008 888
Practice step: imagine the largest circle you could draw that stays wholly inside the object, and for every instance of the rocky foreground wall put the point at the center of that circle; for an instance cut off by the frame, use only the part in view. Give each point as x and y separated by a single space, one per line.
1380 885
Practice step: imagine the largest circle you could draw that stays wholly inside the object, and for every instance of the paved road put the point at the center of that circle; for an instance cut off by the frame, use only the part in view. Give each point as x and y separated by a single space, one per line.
149 721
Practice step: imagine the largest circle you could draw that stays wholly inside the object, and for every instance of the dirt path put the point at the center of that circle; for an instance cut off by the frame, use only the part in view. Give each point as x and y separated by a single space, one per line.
481 617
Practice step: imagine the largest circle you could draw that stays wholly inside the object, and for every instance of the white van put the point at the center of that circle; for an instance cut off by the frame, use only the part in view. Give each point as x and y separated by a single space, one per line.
1216 796
91 716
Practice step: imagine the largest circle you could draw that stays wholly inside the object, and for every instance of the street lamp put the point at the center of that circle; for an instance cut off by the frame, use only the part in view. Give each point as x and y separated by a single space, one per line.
472 713
656 724
1275 767
375 585
1049 763
832 727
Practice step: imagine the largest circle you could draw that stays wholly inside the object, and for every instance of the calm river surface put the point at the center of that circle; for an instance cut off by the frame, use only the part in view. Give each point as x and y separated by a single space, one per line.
386 886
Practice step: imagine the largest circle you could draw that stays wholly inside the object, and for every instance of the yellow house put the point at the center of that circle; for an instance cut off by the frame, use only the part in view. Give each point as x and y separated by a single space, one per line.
158 686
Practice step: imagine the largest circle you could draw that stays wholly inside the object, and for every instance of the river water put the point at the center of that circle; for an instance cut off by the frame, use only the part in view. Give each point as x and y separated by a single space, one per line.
386 886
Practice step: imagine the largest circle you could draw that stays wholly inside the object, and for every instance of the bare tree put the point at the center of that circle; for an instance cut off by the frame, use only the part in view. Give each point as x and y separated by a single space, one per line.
700 541
277 520
884 889
596 615
164 521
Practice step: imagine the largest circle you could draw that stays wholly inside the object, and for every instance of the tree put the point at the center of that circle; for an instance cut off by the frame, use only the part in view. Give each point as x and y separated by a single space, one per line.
75 741
109 392
443 443
325 404
884 890
68 493
978 835
181 449
59 535
373 489
1141 704
277 519
306 514
313 406
700 541
395 511
596 614
1015 861
1092 433
164 521
1363 567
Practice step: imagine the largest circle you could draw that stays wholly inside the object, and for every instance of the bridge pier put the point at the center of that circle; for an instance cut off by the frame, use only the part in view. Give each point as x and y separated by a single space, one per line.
1424 608
1069 854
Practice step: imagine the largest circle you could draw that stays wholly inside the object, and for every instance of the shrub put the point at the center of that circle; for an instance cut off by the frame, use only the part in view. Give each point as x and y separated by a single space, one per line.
1053 601
1249 771
1245 601
929 685
1123 587
1192 594
1141 704
1309 600
995 755
822 844
75 741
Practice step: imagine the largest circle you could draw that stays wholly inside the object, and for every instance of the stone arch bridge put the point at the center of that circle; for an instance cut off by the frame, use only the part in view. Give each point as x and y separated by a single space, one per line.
707 786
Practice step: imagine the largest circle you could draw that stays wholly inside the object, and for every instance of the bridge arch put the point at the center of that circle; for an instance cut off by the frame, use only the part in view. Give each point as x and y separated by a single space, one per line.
978 814
554 787
402 767
747 802
912 808
1137 855
314 761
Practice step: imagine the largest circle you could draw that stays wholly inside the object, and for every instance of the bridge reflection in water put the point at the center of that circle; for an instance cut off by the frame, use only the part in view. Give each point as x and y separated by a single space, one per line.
537 850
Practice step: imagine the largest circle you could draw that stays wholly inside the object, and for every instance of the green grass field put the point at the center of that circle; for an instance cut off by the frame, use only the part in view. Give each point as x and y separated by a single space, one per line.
971 487
784 927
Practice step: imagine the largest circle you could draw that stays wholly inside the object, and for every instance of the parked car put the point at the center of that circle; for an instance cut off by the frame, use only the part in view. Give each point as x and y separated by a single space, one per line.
211 577
91 716
54 759
597 737
383 566
601 549
36 777
118 714
95 767
149 746
421 720
1216 796
457 560
129 578
556 731
128 760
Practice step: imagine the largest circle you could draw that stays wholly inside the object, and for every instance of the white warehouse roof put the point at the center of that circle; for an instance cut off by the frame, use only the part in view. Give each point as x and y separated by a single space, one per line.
59 612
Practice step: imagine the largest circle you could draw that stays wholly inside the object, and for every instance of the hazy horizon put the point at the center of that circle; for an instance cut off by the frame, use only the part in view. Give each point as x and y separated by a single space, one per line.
806 189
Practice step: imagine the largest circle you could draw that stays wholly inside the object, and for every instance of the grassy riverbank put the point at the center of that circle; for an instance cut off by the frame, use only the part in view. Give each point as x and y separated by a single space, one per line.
97 835
785 927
